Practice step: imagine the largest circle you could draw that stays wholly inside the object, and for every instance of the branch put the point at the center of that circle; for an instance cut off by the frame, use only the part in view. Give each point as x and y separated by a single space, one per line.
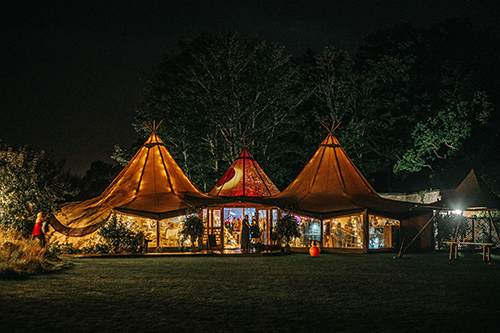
438 156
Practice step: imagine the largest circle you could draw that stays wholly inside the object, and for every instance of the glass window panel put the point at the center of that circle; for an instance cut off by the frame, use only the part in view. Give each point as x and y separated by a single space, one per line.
216 218
263 225
169 231
250 212
310 231
381 231
274 217
343 232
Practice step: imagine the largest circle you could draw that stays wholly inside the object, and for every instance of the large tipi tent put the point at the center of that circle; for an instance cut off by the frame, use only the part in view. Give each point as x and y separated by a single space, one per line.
331 185
151 185
244 178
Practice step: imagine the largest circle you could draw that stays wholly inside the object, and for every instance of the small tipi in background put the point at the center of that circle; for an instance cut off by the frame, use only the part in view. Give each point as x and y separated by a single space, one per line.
471 194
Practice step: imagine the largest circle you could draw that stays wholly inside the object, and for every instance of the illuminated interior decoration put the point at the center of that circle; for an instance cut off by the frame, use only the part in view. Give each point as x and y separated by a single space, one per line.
231 224
151 185
343 232
168 230
310 232
230 239
381 232
244 178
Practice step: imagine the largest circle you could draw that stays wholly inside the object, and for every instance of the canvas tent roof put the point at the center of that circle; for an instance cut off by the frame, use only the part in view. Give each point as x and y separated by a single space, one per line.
244 178
331 185
151 185
471 194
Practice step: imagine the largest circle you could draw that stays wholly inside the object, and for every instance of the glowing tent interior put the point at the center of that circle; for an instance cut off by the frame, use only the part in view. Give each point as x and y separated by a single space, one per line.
245 178
338 208
243 181
151 186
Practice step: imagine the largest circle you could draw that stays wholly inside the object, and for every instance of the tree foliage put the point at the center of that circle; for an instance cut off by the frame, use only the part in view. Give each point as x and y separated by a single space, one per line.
437 103
218 90
30 182
413 104
443 134
97 179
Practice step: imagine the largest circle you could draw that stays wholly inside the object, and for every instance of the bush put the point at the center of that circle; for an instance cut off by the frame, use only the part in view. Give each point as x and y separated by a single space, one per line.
287 227
64 248
31 182
116 236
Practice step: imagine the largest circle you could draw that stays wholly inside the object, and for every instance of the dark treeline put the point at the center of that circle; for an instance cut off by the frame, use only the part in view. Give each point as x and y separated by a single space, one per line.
417 106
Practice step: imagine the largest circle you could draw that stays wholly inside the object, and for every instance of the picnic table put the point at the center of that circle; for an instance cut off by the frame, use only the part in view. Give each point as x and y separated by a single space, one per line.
486 247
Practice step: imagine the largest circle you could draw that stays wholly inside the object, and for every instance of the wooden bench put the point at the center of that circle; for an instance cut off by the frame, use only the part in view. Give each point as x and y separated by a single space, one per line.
486 247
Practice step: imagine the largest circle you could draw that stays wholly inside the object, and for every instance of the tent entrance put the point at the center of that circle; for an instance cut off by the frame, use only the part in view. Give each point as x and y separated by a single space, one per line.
226 223
213 228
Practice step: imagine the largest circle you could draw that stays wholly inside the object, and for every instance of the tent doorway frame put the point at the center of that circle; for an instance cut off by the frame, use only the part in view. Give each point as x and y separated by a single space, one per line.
215 223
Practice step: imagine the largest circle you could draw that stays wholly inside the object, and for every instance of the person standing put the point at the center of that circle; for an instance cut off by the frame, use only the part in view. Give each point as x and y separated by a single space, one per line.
237 228
255 235
339 233
40 228
245 234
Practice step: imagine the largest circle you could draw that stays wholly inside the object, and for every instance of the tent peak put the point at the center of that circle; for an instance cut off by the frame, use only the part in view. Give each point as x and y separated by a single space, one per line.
245 144
331 129
153 127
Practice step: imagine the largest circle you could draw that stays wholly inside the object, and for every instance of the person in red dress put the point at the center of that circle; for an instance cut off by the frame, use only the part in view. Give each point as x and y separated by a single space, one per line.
40 228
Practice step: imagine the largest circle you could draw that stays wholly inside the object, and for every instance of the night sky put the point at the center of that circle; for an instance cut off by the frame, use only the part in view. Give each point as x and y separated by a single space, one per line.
71 71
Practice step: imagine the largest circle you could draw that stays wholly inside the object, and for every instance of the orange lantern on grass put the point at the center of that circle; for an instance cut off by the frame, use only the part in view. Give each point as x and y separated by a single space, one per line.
314 251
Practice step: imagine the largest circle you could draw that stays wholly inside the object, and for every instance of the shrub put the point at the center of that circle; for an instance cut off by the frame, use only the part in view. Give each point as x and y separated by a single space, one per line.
117 236
64 248
30 182
287 227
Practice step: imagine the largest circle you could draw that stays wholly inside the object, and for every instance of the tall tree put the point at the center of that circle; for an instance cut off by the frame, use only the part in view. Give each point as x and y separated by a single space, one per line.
218 90
418 104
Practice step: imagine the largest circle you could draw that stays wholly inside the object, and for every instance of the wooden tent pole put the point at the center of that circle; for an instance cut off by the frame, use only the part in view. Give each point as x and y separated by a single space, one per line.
421 230
222 228
157 235
321 239
366 231
494 227
456 232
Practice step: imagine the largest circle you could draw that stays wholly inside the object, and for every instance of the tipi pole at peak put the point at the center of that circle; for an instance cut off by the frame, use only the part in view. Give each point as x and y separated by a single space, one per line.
153 128
333 128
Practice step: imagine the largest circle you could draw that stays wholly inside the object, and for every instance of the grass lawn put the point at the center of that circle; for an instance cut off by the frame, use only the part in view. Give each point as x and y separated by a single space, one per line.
297 293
